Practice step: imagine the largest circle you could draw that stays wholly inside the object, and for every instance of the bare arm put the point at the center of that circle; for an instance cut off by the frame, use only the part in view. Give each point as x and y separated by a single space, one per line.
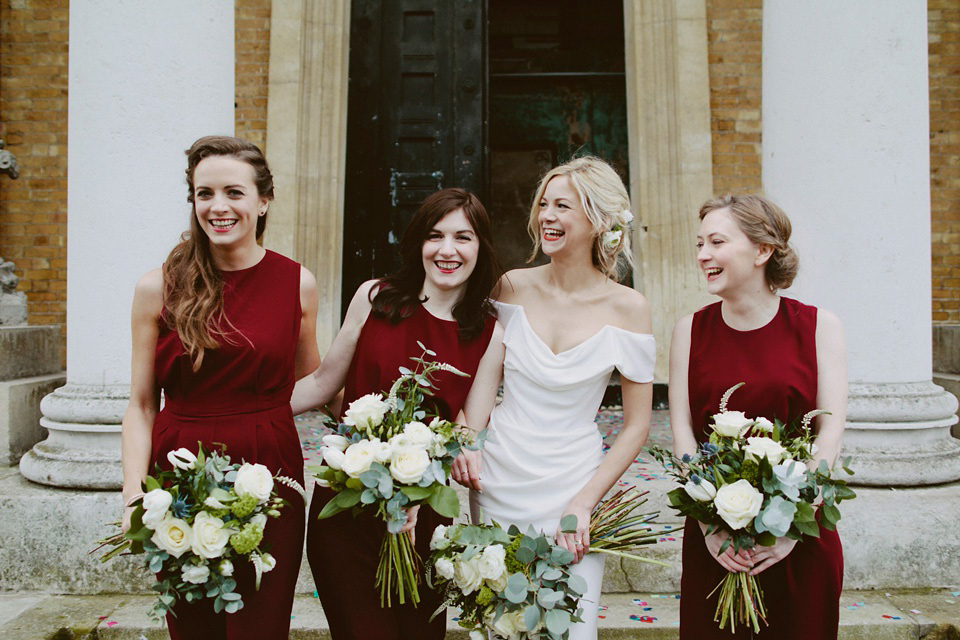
144 402
831 386
681 420
323 385
308 357
476 410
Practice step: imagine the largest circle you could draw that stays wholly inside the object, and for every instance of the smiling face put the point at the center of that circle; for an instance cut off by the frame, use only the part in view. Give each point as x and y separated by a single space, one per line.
563 224
449 253
226 201
730 261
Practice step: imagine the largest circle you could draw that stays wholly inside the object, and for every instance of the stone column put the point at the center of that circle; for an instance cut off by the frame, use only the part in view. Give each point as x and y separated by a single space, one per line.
146 80
307 143
846 154
671 171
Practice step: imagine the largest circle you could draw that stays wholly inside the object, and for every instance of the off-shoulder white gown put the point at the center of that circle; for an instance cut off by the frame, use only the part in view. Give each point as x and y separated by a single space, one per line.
544 445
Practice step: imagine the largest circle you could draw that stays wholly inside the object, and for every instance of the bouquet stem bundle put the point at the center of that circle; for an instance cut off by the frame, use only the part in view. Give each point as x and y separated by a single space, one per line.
614 528
740 599
399 569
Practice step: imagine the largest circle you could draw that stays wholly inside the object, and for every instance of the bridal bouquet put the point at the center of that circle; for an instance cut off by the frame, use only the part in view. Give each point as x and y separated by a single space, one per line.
385 457
518 585
196 521
515 585
751 480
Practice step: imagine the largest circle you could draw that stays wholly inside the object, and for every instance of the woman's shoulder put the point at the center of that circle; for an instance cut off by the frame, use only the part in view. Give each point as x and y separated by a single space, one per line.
629 309
515 283
148 294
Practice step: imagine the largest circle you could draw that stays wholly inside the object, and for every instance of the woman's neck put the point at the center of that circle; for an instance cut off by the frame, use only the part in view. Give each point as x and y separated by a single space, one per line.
750 310
573 274
236 258
440 302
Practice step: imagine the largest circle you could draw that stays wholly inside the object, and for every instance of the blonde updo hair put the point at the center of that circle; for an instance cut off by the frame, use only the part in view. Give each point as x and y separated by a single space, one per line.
604 198
764 223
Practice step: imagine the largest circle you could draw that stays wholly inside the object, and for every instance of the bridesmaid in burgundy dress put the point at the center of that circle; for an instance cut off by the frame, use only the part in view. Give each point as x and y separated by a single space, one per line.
225 328
439 298
792 358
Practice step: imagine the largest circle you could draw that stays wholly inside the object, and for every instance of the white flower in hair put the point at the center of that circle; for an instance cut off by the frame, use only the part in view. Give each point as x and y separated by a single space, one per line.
612 238
625 217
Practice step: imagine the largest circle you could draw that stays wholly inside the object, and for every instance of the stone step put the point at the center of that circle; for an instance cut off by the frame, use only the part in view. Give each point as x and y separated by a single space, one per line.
869 615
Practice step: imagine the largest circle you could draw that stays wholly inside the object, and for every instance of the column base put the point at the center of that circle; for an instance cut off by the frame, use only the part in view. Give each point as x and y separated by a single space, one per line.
898 434
82 450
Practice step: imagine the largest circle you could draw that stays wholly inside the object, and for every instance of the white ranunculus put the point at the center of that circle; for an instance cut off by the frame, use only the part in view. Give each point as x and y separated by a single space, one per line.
791 471
738 503
492 563
761 447
408 464
762 424
195 574
439 446
254 480
336 441
444 568
702 491
612 238
157 500
267 562
210 537
500 583
467 575
400 441
173 535
226 568
509 626
259 520
358 457
182 458
625 217
366 411
731 424
383 451
420 434
439 539
333 457
152 519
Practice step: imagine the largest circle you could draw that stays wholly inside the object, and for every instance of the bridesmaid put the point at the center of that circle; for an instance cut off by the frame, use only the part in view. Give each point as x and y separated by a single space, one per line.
439 298
224 328
793 360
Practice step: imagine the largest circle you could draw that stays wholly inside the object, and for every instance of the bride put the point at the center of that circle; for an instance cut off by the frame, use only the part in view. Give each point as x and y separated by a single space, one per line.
567 325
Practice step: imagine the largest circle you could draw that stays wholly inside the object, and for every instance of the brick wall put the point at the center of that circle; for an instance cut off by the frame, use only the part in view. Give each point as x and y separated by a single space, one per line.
252 67
33 124
944 49
734 51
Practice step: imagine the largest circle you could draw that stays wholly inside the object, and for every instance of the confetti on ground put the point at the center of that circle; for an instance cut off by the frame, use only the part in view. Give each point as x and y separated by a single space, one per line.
915 611
648 619
890 617
112 623
955 594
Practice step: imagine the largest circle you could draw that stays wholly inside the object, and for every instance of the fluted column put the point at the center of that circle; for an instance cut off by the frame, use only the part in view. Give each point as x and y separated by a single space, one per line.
146 80
846 153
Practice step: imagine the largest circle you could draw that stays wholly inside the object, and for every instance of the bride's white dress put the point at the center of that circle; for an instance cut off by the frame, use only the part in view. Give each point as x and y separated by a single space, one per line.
544 445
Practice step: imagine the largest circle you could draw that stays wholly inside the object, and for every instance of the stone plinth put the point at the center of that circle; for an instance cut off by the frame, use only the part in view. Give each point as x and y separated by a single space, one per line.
28 351
946 361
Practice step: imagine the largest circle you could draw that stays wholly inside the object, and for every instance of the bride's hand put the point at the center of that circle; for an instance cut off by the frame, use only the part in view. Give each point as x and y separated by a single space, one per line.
766 557
579 542
411 526
735 562
466 469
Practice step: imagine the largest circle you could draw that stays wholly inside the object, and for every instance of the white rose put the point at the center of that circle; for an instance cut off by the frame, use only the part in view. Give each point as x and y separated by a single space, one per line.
157 500
152 519
439 539
383 451
173 535
761 447
500 583
226 568
492 563
267 562
612 238
625 217
358 457
366 411
209 536
509 626
400 441
195 574
254 480
762 424
408 464
182 458
738 503
467 575
731 424
704 491
336 441
333 457
420 434
444 568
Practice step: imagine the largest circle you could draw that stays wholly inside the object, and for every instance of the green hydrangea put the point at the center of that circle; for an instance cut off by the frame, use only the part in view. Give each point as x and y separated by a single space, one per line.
484 596
244 506
750 471
514 565
247 539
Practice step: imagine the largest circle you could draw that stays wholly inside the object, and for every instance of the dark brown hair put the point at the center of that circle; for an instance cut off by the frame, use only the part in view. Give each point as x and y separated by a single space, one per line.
192 286
398 294
763 223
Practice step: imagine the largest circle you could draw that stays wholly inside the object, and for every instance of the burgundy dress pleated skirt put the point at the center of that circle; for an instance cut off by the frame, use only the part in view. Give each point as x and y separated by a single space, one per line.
344 550
778 363
240 398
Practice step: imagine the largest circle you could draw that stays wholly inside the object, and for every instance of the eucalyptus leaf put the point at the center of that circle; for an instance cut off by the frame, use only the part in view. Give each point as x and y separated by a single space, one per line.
557 621
531 617
568 523
577 583
445 501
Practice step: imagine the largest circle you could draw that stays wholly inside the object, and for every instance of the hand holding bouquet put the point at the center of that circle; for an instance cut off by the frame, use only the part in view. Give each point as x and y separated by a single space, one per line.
751 480
386 457
196 521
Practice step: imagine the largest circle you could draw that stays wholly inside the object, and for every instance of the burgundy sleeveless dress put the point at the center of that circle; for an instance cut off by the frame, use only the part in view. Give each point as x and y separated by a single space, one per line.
240 398
344 550
778 363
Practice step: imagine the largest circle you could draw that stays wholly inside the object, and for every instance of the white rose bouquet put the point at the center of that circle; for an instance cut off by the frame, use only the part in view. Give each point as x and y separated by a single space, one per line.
755 480
194 522
388 455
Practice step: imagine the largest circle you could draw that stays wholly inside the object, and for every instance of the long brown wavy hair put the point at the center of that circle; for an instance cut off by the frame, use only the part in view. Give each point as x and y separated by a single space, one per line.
192 285
398 294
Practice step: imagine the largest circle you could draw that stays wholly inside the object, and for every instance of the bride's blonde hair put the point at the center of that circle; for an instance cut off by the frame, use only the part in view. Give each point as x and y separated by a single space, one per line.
604 199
